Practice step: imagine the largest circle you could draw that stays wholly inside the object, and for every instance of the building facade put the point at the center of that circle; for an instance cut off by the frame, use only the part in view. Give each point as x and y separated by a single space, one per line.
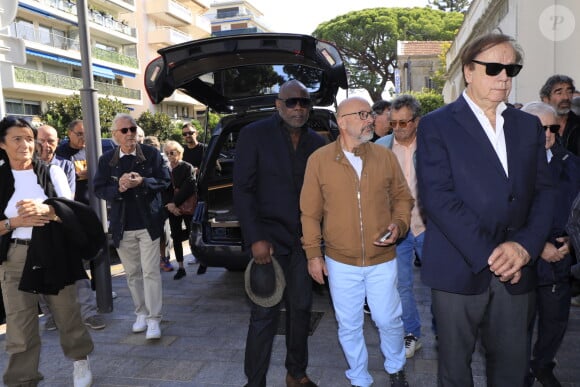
124 36
547 30
418 62
231 17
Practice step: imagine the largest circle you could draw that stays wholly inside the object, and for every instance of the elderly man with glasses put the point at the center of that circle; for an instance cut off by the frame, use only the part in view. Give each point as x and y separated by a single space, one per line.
74 150
405 110
487 194
131 178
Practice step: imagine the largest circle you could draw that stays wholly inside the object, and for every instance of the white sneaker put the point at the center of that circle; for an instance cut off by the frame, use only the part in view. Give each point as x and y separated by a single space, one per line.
190 260
412 344
575 301
82 375
140 324
153 330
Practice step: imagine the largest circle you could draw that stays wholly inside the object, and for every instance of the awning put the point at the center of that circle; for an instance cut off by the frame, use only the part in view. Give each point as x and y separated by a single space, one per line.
100 71
104 72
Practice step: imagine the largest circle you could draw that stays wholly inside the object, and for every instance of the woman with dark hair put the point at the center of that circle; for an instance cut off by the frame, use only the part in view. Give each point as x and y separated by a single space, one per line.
26 184
182 187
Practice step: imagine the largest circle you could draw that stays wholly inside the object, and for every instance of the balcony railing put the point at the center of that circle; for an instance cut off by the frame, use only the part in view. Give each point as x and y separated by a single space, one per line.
58 41
115 57
59 81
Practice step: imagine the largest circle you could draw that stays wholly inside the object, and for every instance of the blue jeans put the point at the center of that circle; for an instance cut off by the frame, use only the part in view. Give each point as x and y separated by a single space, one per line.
348 287
406 250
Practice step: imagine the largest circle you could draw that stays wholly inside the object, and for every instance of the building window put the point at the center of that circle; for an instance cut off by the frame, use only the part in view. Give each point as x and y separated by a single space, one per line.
216 28
238 26
23 29
227 12
22 107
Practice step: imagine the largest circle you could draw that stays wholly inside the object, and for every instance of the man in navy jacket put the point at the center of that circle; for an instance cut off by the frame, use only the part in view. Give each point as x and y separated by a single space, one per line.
487 193
271 157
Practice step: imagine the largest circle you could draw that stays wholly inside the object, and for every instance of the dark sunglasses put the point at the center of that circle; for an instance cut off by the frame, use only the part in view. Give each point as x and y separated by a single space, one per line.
400 124
133 129
552 128
292 102
492 69
185 134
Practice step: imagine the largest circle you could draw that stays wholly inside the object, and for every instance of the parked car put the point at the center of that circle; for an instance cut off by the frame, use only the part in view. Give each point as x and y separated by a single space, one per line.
239 77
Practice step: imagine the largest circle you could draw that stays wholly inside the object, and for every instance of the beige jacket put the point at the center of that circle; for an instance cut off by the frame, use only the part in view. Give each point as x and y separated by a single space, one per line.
348 214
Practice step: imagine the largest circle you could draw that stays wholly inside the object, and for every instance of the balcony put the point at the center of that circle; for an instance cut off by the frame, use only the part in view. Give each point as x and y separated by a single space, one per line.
169 12
58 81
238 31
110 23
120 5
115 57
167 36
62 43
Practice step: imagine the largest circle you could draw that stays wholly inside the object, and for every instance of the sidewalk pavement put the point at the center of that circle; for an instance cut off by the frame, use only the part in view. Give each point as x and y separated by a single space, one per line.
205 320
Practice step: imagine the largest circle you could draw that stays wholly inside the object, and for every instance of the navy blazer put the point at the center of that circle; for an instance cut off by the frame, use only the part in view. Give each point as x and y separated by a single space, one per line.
470 203
267 185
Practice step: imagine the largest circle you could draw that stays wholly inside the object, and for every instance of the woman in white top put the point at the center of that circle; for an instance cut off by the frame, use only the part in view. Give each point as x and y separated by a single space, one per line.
26 183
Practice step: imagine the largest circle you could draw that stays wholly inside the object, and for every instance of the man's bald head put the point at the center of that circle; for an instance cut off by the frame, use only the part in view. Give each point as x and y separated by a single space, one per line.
46 142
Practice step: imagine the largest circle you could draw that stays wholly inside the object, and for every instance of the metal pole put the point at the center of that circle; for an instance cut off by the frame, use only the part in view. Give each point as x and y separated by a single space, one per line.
90 108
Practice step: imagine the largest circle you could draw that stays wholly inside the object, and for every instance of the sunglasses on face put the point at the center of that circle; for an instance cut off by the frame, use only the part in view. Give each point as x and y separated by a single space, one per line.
292 102
171 153
492 69
552 128
133 129
185 134
363 115
400 124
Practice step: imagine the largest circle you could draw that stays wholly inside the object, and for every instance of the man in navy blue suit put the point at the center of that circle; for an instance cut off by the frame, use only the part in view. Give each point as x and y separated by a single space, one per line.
271 158
488 196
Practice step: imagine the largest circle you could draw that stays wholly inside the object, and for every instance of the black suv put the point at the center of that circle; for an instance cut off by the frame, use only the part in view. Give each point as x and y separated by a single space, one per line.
239 77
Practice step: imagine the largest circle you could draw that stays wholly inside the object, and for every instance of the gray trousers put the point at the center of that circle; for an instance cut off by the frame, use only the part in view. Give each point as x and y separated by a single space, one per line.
500 318
22 332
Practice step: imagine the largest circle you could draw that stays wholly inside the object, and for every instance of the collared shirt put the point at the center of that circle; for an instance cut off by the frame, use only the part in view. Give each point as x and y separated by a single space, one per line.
405 156
549 155
121 153
496 136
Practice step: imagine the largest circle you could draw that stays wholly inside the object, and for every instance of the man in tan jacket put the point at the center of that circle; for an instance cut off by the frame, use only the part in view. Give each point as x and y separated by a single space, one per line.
356 199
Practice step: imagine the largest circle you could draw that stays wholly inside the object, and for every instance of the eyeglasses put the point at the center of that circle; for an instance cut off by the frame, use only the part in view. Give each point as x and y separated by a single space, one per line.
185 134
400 124
363 115
552 128
492 69
78 134
133 129
292 102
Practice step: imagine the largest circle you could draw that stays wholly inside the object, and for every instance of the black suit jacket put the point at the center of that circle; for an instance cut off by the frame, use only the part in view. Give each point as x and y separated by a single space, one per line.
267 182
470 203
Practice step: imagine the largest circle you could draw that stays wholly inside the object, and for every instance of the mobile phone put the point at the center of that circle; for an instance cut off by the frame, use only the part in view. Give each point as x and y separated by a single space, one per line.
385 237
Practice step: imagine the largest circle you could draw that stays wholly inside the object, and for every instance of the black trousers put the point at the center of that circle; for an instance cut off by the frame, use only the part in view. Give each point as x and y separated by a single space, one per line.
553 311
264 323
501 319
178 234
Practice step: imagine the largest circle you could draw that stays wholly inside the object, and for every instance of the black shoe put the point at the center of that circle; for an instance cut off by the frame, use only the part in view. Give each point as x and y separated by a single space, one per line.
398 379
366 308
180 274
546 378
417 262
201 269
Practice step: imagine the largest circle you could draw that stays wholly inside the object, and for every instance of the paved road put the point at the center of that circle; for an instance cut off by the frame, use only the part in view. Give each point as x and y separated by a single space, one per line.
204 329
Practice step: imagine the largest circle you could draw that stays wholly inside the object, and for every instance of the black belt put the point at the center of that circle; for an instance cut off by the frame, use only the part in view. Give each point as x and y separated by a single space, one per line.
23 242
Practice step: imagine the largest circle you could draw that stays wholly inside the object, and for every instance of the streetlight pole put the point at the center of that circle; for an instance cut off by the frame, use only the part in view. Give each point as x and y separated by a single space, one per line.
90 108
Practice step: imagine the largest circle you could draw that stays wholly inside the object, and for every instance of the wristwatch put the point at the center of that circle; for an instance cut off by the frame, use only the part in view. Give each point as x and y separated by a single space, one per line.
7 224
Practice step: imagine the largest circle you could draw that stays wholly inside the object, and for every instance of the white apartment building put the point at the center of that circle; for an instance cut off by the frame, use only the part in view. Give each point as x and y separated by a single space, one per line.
124 36
232 17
